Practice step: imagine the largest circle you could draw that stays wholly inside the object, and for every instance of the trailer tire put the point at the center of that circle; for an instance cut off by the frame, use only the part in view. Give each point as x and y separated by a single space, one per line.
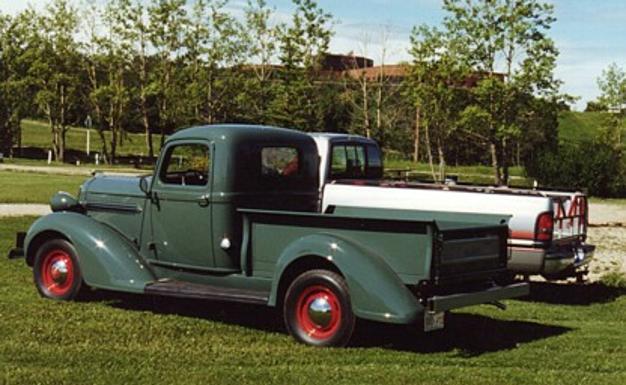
56 271
317 309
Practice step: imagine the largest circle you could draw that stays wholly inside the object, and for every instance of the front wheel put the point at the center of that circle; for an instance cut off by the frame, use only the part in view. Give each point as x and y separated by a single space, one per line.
56 271
317 309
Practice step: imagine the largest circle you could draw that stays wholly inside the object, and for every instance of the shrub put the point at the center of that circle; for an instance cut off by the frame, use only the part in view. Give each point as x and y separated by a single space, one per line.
597 167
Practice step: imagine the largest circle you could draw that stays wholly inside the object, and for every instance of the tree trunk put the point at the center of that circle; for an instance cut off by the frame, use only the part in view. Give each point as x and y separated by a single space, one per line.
442 160
416 137
430 153
505 162
495 163
366 113
62 125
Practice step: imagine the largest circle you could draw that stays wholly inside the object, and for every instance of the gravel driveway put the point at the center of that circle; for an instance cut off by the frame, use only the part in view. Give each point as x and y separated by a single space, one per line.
18 210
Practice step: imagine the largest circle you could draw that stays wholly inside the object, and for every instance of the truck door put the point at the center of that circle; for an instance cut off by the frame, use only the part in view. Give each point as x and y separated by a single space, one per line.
180 211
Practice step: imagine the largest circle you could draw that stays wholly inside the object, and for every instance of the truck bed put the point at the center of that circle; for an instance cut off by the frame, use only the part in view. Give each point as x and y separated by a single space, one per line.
417 246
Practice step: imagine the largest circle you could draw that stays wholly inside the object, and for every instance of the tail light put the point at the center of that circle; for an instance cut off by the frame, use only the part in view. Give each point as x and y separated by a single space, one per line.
544 227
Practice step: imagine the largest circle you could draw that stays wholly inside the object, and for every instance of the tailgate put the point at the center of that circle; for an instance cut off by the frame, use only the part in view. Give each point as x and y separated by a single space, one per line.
470 254
570 216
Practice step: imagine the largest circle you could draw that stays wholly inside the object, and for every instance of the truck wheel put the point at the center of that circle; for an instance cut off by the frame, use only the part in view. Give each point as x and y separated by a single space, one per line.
56 271
317 309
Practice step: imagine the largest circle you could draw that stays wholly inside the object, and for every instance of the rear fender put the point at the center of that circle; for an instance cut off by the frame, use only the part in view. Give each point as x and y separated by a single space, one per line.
107 260
376 291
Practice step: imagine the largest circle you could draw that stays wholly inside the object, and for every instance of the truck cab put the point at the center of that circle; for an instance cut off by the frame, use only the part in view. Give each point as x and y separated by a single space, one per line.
344 156
231 214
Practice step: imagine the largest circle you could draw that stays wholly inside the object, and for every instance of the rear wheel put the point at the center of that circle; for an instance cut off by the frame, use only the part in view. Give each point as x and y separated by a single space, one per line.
56 271
317 309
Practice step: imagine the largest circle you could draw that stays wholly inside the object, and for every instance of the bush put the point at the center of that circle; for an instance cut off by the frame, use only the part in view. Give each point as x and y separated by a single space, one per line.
597 167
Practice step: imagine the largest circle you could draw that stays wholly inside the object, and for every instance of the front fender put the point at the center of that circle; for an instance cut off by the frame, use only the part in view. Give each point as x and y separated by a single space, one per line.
107 260
376 291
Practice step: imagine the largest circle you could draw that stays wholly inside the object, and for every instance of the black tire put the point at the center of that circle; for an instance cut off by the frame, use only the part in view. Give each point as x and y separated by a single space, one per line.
333 323
56 271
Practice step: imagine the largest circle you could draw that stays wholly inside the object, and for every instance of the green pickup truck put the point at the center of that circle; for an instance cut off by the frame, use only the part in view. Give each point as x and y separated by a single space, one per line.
232 214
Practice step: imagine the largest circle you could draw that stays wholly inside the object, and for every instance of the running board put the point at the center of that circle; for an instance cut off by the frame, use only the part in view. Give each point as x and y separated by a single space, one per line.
181 289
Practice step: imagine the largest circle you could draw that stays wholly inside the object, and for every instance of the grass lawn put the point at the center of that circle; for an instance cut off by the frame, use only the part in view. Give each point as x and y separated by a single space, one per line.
576 126
37 134
26 187
561 335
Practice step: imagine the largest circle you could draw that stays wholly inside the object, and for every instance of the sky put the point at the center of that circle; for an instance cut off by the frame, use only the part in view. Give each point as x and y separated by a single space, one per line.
589 34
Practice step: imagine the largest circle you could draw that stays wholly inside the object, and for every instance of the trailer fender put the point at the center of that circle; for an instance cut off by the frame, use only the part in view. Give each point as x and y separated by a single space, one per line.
376 291
107 260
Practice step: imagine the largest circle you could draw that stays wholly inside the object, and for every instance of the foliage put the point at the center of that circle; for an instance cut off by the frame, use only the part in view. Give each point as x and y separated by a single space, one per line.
507 44
15 90
303 43
55 59
595 166
435 85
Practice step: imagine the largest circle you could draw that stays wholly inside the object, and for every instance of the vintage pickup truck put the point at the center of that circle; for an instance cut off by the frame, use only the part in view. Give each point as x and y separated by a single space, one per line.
231 214
548 228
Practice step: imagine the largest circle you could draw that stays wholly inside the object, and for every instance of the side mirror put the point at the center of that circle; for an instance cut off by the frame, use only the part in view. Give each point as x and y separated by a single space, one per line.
144 185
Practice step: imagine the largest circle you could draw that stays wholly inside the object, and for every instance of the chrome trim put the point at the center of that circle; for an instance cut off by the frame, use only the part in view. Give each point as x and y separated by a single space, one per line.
58 271
320 312
125 208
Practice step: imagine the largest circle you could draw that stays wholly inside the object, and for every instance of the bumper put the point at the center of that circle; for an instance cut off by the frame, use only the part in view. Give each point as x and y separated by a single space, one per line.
537 260
18 250
454 301
565 260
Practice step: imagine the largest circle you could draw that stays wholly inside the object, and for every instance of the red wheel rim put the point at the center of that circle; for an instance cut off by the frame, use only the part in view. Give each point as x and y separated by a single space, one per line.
318 312
57 272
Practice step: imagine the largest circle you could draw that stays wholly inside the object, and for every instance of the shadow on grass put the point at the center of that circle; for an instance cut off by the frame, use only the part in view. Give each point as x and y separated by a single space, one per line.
573 294
469 334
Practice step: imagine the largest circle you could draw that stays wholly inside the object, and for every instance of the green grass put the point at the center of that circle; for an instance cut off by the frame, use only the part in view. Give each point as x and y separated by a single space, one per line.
37 134
82 166
577 126
563 334
467 174
22 187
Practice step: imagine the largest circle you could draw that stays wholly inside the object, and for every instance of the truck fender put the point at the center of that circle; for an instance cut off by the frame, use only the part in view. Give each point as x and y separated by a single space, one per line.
106 259
376 291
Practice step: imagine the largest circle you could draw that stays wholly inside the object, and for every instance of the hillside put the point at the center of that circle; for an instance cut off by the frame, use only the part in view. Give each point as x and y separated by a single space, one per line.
577 126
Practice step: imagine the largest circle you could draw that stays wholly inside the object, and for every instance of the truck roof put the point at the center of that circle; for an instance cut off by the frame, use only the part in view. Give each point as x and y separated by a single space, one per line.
333 135
238 132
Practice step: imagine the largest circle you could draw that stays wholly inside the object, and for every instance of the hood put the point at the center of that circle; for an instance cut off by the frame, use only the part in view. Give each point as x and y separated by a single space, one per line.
114 185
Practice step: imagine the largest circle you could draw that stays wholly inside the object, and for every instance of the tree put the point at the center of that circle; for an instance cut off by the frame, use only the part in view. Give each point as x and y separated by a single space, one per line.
612 86
436 86
133 29
55 69
110 60
215 46
15 84
168 20
262 47
303 44
507 45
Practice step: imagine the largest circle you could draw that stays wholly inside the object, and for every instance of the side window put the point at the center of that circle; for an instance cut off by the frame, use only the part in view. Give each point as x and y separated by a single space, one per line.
348 161
186 165
280 162
374 162
338 161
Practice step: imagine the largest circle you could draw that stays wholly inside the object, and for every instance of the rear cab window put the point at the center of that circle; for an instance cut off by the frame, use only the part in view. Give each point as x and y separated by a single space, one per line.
280 162
355 161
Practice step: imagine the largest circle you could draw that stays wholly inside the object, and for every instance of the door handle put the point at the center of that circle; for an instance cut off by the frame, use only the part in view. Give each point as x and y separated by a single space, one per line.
204 200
